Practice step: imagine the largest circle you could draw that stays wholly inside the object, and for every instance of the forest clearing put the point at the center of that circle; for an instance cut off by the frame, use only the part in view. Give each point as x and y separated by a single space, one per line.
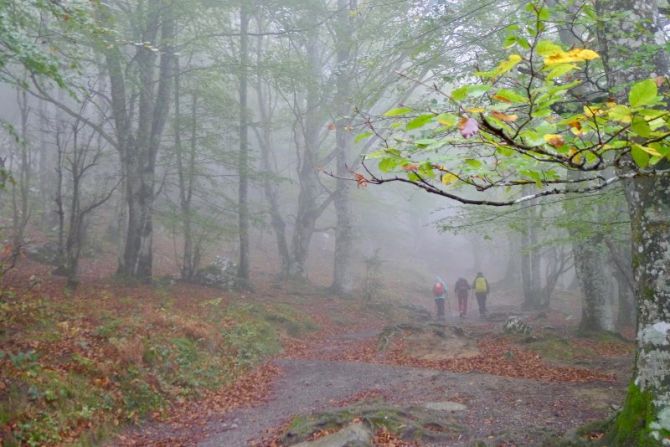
332 223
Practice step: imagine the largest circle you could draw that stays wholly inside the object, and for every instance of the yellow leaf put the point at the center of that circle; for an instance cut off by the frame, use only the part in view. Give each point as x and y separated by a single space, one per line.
504 117
583 54
591 111
566 57
448 178
554 139
475 110
575 156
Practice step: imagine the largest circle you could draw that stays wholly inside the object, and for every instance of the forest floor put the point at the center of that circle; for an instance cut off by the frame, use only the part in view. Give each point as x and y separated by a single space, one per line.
507 390
187 365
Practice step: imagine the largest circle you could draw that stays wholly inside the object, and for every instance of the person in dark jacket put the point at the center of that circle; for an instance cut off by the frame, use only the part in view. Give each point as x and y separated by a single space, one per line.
482 289
462 289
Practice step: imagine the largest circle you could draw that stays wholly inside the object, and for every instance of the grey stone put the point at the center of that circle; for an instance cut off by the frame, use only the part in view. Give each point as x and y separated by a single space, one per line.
222 273
354 435
515 325
445 406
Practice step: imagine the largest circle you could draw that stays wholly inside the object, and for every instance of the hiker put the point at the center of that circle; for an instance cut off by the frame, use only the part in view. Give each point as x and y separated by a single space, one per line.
440 295
481 286
462 287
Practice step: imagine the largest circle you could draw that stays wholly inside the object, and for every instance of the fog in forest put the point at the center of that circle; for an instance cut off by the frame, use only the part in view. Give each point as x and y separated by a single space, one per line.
334 222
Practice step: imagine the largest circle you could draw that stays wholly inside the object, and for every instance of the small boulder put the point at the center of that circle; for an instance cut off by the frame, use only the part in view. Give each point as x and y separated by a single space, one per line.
354 435
515 325
47 253
448 406
221 273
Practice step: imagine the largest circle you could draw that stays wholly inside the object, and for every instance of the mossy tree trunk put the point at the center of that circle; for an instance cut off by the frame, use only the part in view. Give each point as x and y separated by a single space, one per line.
649 201
628 34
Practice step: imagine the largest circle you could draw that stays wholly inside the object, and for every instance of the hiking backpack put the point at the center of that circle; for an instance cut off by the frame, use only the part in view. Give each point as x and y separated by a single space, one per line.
480 285
438 289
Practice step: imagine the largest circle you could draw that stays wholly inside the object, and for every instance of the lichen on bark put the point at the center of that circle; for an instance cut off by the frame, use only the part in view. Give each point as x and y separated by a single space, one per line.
632 425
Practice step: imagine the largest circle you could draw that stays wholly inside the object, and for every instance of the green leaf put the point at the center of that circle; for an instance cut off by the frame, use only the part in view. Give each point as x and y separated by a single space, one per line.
509 42
545 127
560 70
640 156
376 154
426 170
473 163
620 113
460 93
504 151
544 14
398 112
473 91
641 127
425 142
362 136
643 93
419 121
389 164
477 90
547 47
509 96
447 119
532 138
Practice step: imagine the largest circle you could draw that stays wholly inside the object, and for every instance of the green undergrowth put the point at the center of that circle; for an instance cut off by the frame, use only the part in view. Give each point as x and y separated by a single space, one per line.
559 349
72 371
632 426
569 349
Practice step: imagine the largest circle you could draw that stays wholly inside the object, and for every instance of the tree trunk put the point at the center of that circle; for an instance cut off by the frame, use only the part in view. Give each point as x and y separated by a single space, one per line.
138 150
270 189
590 259
308 210
645 417
649 201
342 275
531 261
185 176
526 280
243 190
21 189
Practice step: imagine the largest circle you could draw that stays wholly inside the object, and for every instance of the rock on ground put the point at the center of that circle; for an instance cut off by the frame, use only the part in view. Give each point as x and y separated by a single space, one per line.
354 435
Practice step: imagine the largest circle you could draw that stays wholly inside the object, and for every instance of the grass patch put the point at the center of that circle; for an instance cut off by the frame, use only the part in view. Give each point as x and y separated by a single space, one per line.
559 349
570 349
74 369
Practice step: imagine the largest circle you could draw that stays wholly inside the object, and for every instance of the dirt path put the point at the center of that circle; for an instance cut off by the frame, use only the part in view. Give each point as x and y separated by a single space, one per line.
499 411
306 386
519 412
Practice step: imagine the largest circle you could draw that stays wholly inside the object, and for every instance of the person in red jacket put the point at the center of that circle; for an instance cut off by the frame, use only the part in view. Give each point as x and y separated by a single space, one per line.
462 289
440 295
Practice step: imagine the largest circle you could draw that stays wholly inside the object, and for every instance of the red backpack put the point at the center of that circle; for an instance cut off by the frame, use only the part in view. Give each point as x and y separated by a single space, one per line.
438 289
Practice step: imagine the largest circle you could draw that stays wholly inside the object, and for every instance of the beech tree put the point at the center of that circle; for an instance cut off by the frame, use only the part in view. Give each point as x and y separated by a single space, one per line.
520 123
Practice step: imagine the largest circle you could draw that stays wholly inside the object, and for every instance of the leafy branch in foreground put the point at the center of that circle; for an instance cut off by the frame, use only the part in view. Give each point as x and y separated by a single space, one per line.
524 122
